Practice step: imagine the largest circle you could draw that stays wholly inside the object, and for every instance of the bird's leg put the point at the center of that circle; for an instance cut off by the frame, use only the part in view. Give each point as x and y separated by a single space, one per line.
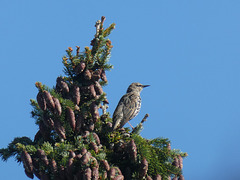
130 125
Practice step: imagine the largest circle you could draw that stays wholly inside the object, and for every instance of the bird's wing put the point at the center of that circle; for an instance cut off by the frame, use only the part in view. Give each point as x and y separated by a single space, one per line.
130 107
118 114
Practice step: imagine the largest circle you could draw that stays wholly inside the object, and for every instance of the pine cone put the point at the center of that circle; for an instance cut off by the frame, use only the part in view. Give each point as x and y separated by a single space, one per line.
59 129
83 151
72 154
181 177
80 67
118 171
105 165
158 177
41 101
90 126
132 149
92 91
58 107
180 162
71 118
98 88
94 162
175 162
169 146
50 103
87 174
27 161
97 140
95 173
87 74
112 173
96 74
94 111
62 85
94 147
53 166
143 168
85 158
76 95
42 156
79 122
29 174
149 178
103 76
48 121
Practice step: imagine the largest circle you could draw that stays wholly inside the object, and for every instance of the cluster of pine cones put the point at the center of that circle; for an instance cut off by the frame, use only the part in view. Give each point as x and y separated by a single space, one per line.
78 120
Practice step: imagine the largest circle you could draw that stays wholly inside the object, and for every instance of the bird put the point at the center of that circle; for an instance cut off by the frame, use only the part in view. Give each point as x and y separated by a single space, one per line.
128 106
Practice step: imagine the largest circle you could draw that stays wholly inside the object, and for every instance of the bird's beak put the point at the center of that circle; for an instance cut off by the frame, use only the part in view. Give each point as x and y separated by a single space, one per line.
145 86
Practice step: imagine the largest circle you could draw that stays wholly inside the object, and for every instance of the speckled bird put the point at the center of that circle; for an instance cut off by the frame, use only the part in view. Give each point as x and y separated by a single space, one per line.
128 106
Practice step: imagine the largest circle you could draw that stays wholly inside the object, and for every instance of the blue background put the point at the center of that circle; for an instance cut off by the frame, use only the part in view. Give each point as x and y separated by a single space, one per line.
187 50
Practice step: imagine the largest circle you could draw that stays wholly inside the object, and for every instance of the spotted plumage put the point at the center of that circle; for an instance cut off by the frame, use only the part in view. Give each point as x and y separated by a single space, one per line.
128 106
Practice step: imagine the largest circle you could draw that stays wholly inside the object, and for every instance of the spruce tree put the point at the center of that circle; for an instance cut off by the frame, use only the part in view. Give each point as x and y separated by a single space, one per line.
75 140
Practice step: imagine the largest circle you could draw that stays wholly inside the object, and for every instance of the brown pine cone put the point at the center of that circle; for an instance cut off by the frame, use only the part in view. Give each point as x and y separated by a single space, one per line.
48 121
49 100
72 154
79 122
79 68
158 177
42 156
118 171
96 75
149 178
94 147
169 146
76 95
132 149
94 111
175 162
71 118
181 177
97 140
105 165
41 101
87 74
112 173
92 91
27 161
53 166
103 76
59 129
83 151
87 174
180 162
143 168
58 107
98 88
62 85
95 173
85 158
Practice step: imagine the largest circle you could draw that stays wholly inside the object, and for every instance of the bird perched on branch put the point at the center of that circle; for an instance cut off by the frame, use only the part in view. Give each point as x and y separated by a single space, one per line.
128 106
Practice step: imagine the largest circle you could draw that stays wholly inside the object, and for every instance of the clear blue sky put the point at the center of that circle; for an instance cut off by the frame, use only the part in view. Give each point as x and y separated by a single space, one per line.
187 50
